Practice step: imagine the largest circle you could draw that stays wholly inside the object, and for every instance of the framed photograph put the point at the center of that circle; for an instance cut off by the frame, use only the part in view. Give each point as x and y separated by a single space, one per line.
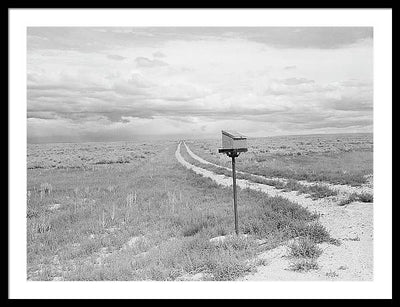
224 153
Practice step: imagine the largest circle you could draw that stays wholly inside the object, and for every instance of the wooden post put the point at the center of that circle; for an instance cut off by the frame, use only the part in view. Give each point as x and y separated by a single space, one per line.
234 154
235 194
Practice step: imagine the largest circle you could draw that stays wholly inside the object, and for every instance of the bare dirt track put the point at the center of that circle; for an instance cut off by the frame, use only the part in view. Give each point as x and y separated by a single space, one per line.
351 224
341 188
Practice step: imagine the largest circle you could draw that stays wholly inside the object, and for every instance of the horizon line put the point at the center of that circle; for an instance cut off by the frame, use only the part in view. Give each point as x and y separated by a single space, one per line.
169 138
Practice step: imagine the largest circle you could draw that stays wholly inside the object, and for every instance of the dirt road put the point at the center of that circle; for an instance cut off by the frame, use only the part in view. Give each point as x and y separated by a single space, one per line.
341 188
351 224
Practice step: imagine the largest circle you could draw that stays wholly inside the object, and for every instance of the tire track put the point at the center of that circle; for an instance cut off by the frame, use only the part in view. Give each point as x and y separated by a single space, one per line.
340 188
226 181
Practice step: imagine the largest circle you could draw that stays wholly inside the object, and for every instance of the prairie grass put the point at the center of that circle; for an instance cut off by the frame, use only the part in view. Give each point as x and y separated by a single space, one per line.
87 155
317 234
366 197
338 159
315 191
175 258
175 210
304 265
362 197
303 253
304 248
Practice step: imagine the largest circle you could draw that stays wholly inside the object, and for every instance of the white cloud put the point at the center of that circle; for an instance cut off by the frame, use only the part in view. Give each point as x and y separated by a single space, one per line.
145 62
204 82
116 57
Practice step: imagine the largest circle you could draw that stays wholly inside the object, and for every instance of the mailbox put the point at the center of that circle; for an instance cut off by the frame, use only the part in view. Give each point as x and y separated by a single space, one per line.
233 143
233 140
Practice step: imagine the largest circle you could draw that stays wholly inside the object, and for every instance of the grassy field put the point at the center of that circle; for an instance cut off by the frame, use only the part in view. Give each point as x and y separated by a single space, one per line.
338 159
315 191
88 155
126 211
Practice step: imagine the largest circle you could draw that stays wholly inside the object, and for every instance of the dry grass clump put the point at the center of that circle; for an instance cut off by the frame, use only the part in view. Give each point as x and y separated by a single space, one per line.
366 198
41 225
316 191
362 197
304 248
303 254
317 233
46 188
304 265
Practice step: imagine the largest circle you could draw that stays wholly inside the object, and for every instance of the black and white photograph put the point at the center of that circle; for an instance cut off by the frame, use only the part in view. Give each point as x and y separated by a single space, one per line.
192 154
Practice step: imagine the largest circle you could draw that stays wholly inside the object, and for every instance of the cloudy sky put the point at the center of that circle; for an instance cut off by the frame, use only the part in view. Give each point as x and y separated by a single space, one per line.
111 84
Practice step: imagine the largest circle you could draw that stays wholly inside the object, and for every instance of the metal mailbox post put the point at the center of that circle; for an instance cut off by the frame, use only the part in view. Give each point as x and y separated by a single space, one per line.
233 143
